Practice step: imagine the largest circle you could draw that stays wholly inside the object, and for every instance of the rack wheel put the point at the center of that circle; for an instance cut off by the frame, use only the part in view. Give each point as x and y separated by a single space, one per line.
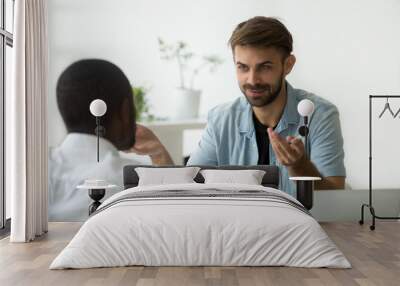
360 222
372 227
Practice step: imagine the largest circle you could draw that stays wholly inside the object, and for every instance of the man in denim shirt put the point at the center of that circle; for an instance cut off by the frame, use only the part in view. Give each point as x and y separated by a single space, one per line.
262 127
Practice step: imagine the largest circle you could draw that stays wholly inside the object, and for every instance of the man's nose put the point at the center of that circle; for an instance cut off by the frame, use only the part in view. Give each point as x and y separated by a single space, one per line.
253 78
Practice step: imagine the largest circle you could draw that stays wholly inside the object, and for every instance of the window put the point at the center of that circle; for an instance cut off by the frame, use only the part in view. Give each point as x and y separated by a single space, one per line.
6 44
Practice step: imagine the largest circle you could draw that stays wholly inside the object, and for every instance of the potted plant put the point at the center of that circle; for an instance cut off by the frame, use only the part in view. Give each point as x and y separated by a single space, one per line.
141 104
189 66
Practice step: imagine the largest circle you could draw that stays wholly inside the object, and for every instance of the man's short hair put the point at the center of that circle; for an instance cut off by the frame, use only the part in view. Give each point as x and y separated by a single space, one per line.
86 80
262 32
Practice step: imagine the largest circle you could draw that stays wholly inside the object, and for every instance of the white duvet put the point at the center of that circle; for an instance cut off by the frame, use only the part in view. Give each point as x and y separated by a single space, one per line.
200 231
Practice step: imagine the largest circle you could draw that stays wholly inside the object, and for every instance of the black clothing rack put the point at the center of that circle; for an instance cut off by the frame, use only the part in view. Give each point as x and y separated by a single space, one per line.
369 205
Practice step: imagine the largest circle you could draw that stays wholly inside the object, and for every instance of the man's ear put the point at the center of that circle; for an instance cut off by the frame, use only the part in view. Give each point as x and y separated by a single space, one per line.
289 63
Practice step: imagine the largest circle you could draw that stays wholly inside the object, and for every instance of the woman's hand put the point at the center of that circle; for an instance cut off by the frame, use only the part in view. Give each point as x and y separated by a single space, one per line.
147 143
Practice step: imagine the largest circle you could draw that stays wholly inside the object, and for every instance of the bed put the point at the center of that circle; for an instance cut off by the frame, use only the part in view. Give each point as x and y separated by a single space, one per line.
201 224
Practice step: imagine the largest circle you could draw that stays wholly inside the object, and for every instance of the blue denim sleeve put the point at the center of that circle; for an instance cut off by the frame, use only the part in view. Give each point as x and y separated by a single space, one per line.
326 142
206 152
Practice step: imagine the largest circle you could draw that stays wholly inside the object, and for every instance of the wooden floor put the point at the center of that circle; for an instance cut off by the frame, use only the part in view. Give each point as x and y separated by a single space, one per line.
375 256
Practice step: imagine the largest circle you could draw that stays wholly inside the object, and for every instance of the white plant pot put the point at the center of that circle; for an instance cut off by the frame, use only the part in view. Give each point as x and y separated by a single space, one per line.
187 104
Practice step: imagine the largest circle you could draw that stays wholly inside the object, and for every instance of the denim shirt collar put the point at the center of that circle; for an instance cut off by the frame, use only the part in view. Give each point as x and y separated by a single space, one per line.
290 115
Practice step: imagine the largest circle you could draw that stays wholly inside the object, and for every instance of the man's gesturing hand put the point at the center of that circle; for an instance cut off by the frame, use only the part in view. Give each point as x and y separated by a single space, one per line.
289 152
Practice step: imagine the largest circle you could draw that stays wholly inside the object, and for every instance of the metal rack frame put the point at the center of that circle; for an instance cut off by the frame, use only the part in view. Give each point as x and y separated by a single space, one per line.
369 205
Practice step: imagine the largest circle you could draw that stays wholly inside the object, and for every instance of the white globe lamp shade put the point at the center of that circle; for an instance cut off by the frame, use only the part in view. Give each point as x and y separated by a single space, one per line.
305 107
98 107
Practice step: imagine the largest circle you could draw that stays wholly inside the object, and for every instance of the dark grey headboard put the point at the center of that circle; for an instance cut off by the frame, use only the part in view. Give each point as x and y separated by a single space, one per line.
270 179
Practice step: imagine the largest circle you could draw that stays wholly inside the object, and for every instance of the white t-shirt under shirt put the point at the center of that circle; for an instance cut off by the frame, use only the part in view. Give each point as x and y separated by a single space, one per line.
74 161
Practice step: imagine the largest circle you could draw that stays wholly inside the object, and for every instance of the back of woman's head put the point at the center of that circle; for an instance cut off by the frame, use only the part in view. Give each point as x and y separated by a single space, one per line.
87 80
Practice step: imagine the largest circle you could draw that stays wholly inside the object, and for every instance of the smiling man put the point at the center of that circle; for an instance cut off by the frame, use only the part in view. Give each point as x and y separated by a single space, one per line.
261 127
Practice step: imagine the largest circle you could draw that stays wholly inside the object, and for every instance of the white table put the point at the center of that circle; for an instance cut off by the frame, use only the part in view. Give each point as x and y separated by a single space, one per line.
96 193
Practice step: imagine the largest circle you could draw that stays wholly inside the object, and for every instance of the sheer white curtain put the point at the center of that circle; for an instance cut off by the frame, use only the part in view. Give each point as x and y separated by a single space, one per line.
26 121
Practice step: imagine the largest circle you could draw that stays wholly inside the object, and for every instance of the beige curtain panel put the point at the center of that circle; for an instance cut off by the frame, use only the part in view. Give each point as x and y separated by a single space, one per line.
26 119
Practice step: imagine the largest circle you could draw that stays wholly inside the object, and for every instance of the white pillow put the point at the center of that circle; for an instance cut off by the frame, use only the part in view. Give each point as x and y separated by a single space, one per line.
248 177
163 176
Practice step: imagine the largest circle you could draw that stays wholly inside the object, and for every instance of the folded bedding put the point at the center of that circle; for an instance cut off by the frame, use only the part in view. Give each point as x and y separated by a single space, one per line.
201 225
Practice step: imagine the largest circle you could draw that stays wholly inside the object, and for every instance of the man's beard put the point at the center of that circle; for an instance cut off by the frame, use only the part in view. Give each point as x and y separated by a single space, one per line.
269 96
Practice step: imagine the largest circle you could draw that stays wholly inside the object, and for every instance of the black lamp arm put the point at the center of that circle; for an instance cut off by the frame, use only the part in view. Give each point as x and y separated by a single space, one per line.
99 131
305 188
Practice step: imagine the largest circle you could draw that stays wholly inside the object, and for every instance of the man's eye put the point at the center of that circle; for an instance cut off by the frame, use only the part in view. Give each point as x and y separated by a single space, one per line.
266 67
242 68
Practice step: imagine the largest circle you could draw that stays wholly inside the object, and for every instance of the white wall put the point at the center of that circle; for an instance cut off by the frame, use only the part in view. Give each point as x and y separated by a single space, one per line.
345 205
345 51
